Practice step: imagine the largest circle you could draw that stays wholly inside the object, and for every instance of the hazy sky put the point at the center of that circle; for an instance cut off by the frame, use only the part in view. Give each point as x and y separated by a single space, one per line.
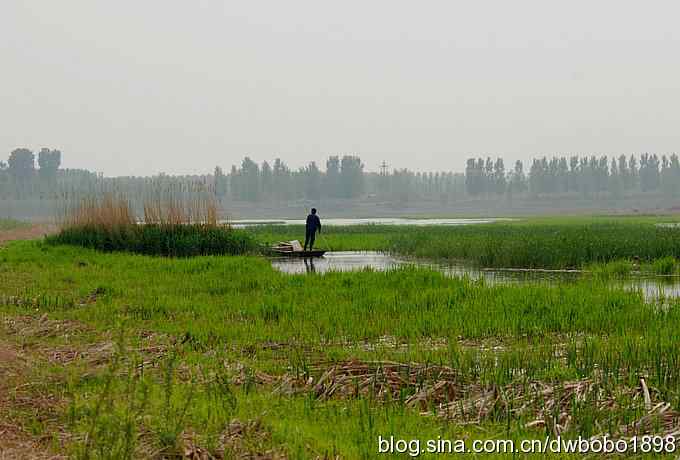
143 86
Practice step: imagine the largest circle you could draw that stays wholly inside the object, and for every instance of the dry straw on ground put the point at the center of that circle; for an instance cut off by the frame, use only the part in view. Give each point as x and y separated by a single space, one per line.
438 391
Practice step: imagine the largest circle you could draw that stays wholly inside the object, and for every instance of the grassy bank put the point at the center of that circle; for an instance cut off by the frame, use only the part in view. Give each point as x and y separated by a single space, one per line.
228 356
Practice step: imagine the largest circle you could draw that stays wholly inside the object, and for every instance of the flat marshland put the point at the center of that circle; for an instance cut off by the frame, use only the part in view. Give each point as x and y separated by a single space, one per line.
144 356
538 243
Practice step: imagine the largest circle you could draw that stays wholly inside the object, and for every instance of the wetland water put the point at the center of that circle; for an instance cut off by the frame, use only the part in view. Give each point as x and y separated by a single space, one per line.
652 287
360 221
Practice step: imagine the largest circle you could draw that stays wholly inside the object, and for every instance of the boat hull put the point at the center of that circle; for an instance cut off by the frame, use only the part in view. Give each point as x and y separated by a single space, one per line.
302 254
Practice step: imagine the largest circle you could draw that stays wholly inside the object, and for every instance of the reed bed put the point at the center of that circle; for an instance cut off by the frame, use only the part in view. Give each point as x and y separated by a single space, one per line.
108 212
181 212
169 228
576 243
573 245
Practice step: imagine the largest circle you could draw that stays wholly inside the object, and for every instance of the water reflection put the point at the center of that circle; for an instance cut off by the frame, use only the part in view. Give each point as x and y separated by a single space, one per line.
337 261
651 287
309 265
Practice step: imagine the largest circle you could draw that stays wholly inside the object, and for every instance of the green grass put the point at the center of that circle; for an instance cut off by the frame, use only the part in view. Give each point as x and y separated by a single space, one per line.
221 320
664 266
202 295
541 245
183 240
616 269
535 243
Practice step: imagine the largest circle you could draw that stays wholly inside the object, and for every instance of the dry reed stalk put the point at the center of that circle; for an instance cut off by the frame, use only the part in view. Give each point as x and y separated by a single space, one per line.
109 211
438 391
116 211
173 211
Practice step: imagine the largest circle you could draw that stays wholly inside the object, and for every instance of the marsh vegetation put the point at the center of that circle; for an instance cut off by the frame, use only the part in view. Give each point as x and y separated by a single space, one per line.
574 243
168 228
150 356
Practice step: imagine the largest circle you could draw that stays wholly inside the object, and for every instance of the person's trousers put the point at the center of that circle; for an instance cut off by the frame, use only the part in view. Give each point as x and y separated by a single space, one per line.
310 236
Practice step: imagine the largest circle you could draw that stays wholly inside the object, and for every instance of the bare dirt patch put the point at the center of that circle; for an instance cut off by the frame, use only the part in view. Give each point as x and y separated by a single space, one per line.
42 326
33 232
79 343
16 444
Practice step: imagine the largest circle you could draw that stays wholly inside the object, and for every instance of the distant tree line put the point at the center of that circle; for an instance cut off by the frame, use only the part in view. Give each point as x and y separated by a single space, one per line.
26 176
589 176
20 178
343 178
403 186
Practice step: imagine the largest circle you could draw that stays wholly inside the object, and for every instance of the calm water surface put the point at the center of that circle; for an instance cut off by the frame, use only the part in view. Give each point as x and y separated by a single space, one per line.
378 220
651 287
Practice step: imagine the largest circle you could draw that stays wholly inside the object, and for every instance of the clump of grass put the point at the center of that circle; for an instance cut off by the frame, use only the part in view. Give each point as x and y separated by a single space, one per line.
664 266
615 269
172 228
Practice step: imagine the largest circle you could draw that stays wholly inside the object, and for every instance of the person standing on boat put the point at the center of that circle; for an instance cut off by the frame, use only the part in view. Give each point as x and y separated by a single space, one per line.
313 225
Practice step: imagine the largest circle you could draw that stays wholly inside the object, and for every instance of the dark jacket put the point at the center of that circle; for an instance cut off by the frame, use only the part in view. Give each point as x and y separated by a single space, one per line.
313 223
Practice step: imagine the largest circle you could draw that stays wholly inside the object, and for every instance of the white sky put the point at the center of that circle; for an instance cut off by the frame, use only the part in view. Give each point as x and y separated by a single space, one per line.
143 86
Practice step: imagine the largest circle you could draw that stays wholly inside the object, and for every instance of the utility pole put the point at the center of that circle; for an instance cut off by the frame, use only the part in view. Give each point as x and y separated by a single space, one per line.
383 185
383 168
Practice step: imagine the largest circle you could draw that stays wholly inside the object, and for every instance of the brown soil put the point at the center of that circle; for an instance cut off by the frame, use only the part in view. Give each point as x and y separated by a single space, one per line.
33 232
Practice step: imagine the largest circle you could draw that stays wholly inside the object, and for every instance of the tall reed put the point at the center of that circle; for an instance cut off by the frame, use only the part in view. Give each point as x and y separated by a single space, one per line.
539 245
109 211
177 212
169 227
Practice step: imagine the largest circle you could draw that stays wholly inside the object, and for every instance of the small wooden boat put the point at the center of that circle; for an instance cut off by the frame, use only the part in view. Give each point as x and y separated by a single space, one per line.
294 249
303 254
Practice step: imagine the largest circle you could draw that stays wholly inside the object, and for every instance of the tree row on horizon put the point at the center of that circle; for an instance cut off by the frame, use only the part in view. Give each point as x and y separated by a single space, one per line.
344 177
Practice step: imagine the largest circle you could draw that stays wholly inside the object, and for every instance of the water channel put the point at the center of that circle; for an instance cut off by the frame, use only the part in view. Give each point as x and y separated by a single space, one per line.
653 287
